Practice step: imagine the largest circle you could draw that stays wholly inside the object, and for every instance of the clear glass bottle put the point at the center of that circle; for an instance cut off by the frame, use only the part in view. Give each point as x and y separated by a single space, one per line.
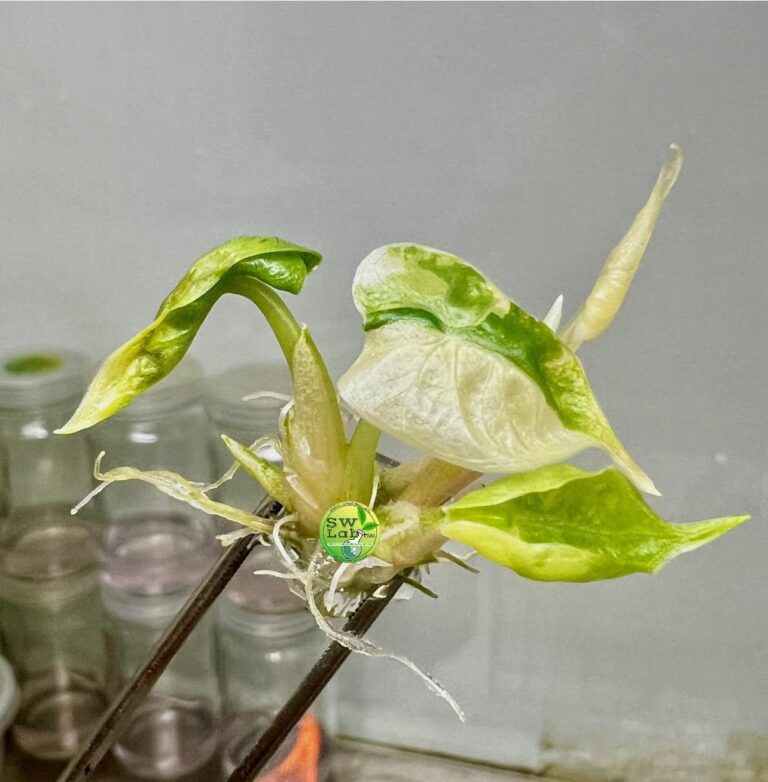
51 614
166 428
267 642
245 421
174 732
156 550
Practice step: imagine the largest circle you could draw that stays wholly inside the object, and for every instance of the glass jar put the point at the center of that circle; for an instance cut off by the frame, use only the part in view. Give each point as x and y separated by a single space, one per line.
174 732
267 643
166 428
245 421
51 615
156 550
38 393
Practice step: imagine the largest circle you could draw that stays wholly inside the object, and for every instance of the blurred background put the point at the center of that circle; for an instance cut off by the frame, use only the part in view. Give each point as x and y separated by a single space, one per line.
522 137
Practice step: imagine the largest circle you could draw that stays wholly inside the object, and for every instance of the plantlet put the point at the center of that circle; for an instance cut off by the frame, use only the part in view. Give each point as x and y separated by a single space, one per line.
451 366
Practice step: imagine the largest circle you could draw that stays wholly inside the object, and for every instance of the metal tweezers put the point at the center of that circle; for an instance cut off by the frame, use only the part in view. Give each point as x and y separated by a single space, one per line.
84 764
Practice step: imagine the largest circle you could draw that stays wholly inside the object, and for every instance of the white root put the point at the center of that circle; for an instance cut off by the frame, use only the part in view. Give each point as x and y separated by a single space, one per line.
275 574
330 595
93 493
285 555
266 395
362 646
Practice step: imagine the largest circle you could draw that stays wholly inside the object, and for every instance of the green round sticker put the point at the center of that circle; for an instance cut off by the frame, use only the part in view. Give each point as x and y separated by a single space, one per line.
349 532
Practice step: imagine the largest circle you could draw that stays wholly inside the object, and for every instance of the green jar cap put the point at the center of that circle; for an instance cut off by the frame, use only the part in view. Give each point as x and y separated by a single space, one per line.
36 378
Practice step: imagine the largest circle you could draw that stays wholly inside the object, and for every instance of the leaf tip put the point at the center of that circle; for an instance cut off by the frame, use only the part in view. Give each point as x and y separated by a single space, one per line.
699 533
75 424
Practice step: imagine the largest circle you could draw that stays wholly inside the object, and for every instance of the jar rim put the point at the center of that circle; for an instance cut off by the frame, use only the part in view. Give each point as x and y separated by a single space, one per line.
256 624
42 376
224 395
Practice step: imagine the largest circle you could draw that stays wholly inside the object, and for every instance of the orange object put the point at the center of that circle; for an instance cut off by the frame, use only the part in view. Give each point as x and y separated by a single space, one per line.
303 762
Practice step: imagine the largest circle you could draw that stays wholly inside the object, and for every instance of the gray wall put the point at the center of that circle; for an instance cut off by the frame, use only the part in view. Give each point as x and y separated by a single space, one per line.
522 137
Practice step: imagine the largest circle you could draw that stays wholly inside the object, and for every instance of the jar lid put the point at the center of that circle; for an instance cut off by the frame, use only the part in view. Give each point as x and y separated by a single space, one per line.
225 392
30 379
183 386
9 695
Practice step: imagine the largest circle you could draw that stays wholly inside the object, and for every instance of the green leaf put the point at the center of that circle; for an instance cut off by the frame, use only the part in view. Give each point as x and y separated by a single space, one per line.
560 523
454 368
267 474
250 266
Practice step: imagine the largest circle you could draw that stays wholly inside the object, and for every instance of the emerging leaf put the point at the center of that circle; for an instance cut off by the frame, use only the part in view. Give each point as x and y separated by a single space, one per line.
561 523
250 265
454 368
360 478
314 446
269 477
602 304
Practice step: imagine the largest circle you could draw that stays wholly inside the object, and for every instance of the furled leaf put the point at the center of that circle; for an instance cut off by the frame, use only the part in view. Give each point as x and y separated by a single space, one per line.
560 523
454 368
250 266
314 445
602 304
360 474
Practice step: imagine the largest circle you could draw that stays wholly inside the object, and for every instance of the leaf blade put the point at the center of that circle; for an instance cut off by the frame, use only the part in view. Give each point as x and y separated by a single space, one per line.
152 354
445 349
563 524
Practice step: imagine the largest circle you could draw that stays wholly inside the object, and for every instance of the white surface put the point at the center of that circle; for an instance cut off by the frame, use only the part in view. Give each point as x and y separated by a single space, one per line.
520 136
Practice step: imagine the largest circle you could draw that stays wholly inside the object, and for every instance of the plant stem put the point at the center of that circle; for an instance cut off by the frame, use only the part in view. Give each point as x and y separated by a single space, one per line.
436 483
281 320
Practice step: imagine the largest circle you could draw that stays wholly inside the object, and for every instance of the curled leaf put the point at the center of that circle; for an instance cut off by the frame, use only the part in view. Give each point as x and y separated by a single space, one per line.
268 475
561 523
181 489
249 265
456 369
606 298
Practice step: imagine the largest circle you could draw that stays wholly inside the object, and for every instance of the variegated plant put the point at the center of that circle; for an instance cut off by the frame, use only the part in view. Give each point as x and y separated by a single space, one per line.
451 366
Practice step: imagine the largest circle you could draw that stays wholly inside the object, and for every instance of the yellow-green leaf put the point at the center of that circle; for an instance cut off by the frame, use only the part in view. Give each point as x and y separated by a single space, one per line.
250 266
268 475
561 523
606 298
